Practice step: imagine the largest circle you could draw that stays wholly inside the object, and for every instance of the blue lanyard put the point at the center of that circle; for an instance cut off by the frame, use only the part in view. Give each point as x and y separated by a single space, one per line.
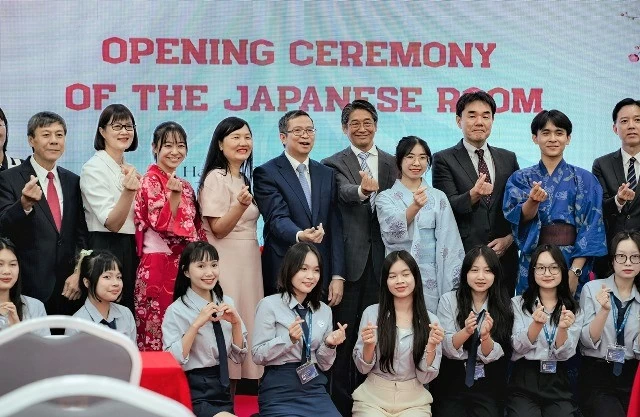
310 326
614 310
550 337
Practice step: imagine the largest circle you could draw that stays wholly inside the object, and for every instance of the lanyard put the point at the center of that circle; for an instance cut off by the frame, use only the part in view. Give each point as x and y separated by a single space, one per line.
550 337
614 310
310 326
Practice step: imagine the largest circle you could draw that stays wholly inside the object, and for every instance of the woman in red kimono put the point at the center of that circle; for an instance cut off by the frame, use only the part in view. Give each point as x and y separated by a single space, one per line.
166 220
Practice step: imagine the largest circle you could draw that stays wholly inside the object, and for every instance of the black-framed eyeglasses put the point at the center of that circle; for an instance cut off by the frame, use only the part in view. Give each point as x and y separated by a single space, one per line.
118 127
298 131
356 125
621 258
541 270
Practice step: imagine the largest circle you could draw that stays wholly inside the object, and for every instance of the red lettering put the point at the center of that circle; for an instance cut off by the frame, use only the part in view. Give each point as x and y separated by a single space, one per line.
262 98
401 58
355 55
407 95
293 53
485 53
360 91
144 90
260 56
386 99
244 99
140 47
521 103
121 47
324 52
311 99
193 97
284 98
100 94
502 103
373 53
189 51
165 51
447 99
165 96
456 54
334 98
440 50
85 97
239 54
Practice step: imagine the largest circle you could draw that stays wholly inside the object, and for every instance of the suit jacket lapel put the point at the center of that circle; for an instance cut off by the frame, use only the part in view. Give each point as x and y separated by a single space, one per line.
316 190
500 174
67 190
618 169
27 171
351 162
462 156
290 176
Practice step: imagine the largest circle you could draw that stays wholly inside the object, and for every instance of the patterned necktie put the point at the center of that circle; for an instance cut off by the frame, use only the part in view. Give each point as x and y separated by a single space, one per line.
631 174
617 366
363 156
111 324
302 312
222 353
306 189
53 200
484 169
473 352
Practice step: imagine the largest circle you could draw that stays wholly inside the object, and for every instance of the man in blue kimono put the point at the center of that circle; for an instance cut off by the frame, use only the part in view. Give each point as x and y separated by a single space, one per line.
555 202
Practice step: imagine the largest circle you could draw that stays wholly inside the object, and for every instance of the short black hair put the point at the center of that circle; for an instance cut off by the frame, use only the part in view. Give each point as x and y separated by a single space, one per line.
92 266
556 117
405 146
291 264
115 113
358 105
624 102
284 120
468 98
44 119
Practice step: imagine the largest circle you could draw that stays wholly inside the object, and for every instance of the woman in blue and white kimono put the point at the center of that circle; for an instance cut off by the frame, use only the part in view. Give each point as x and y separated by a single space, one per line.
417 218
554 202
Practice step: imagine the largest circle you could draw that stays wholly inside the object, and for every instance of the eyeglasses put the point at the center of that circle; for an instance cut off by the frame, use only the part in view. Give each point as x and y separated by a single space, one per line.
541 270
118 127
621 258
356 125
298 131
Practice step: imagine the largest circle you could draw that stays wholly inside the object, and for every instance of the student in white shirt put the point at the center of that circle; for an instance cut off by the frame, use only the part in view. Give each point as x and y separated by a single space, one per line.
399 345
477 317
609 336
101 284
108 186
293 339
15 307
546 330
203 330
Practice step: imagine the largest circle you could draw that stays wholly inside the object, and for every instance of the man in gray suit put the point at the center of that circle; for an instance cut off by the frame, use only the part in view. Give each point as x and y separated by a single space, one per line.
473 175
362 170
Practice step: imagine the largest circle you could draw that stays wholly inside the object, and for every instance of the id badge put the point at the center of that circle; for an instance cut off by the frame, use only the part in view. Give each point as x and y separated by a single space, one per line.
307 372
478 371
615 353
548 367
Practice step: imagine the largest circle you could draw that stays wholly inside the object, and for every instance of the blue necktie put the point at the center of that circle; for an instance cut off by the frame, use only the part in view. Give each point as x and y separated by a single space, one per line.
306 189
363 156
473 352
617 366
302 312
222 353
631 174
111 324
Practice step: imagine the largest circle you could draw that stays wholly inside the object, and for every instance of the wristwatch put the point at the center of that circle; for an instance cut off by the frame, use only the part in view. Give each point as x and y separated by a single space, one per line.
577 271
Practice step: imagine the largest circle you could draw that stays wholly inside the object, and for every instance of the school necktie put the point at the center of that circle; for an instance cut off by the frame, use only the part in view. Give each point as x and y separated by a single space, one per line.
304 183
484 169
617 366
222 353
111 324
473 352
53 200
302 312
363 156
631 174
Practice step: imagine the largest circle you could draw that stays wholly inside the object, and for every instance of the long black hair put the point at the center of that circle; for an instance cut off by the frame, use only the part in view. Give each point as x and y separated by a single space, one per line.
291 264
91 267
194 252
563 293
387 331
215 156
619 237
15 293
498 300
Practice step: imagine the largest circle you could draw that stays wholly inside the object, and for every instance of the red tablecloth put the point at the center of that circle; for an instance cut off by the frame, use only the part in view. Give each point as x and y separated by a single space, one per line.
634 405
162 373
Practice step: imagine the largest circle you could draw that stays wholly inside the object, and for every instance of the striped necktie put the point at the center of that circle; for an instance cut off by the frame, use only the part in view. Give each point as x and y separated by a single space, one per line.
363 156
306 189
631 174
484 169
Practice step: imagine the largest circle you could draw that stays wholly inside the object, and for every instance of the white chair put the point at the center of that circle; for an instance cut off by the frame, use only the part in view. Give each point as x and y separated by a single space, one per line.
26 357
68 395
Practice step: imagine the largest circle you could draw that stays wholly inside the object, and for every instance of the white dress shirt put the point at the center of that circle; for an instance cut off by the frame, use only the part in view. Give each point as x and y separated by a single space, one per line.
625 166
41 173
125 323
372 162
204 350
403 366
471 150
33 308
101 186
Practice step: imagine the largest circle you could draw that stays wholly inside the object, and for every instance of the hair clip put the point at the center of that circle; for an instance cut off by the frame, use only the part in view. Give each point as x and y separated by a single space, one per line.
86 252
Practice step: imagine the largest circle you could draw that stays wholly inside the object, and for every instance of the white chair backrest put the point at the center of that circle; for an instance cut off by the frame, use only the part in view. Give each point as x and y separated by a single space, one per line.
26 357
67 395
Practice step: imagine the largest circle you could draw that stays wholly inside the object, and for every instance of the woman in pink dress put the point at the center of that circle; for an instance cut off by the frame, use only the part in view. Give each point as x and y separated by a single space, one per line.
230 218
166 220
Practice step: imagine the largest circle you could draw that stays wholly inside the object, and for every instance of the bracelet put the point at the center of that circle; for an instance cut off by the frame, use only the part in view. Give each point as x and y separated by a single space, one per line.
429 351
329 346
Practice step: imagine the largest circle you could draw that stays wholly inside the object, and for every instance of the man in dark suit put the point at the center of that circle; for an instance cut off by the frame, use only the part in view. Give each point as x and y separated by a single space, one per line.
297 198
473 175
617 173
362 170
41 212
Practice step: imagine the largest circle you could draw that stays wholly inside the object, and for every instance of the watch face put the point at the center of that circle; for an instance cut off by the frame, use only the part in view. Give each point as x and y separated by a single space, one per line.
577 271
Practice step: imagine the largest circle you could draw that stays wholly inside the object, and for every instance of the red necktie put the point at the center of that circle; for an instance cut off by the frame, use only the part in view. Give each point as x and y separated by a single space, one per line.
53 200
484 169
